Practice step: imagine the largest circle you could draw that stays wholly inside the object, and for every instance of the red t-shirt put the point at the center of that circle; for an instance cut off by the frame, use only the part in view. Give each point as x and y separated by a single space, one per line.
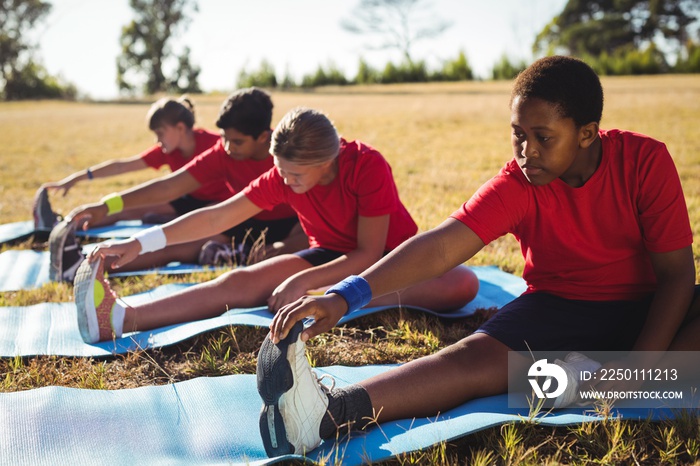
329 214
216 170
203 140
592 242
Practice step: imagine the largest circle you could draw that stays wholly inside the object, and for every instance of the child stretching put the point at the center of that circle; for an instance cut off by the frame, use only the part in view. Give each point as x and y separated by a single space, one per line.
602 223
177 142
348 205
241 155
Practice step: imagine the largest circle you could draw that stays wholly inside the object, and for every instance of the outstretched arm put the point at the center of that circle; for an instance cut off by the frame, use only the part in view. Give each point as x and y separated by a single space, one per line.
102 170
154 192
195 225
422 257
371 241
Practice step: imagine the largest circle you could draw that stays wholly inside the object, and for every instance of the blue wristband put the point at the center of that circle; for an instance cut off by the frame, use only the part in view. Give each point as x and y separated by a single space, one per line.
89 174
355 290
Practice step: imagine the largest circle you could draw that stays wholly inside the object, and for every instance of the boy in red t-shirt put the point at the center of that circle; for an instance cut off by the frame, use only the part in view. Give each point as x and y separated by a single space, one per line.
240 154
602 223
348 205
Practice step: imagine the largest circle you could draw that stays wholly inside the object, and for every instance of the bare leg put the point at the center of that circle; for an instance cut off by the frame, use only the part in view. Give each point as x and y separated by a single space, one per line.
476 366
241 287
450 291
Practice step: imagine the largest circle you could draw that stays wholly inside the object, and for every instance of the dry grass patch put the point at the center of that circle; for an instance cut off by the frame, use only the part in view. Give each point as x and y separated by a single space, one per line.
443 141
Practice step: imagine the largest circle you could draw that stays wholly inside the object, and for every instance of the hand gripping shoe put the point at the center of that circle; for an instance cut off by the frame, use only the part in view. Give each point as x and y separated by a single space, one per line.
294 400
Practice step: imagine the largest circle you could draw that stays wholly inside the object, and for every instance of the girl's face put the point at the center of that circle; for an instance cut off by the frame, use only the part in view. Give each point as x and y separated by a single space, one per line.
169 137
301 178
548 146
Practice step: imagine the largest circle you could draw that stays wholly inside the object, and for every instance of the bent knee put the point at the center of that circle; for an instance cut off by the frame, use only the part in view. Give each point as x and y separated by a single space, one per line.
459 286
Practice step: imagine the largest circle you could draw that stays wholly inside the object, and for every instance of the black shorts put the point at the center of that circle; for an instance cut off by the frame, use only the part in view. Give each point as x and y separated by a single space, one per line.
187 203
544 322
318 256
252 229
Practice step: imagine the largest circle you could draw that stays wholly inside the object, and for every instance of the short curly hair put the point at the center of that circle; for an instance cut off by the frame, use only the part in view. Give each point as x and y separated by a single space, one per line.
248 111
568 83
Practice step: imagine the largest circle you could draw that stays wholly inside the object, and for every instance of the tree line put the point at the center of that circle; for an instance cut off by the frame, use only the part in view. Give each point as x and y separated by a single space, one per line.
616 37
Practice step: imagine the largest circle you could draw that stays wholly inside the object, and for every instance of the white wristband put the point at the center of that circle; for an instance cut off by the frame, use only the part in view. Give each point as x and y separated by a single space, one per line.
151 239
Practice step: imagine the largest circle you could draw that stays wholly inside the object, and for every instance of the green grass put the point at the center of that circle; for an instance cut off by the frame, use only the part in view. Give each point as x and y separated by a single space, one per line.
443 141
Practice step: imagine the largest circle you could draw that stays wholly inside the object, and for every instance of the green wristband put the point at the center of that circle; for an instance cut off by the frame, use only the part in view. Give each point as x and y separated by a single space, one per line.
114 203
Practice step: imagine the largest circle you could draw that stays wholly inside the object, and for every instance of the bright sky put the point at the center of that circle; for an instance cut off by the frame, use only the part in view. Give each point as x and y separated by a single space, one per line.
80 38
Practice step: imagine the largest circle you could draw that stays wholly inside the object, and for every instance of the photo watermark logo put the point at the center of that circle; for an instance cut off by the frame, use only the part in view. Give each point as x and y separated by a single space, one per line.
641 379
543 372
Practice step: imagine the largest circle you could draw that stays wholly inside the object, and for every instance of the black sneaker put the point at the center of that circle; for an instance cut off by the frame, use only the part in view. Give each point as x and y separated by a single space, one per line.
44 217
294 400
65 252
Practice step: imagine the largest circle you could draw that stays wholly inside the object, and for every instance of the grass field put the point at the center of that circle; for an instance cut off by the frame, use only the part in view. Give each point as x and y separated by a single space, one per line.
443 141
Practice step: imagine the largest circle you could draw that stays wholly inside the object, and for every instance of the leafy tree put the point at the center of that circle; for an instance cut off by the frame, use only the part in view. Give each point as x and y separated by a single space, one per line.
20 76
504 69
263 77
146 48
691 62
325 77
398 23
455 70
595 27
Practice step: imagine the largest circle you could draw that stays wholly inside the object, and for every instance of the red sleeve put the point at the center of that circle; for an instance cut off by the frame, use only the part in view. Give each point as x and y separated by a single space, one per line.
267 191
154 157
208 166
376 190
497 207
663 212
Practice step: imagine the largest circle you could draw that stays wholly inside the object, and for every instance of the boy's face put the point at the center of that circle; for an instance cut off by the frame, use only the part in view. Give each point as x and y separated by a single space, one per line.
545 145
241 146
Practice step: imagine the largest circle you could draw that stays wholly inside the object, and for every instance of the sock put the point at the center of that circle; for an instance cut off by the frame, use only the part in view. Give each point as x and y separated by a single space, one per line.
349 408
117 317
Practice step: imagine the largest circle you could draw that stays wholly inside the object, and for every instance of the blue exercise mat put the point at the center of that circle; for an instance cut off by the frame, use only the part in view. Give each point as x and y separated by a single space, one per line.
19 231
214 421
26 269
51 328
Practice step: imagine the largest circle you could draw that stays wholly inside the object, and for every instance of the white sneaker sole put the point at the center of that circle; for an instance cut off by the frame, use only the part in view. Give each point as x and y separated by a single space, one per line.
84 290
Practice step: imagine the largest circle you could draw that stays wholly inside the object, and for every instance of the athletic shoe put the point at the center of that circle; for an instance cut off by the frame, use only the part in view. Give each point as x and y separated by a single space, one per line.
573 364
100 314
64 252
217 254
44 217
294 400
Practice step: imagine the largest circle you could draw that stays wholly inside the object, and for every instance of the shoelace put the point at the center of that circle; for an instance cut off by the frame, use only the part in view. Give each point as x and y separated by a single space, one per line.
323 386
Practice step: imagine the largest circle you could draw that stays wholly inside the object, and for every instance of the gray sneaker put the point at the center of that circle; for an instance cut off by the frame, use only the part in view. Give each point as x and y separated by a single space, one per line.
44 217
294 400
64 251
217 254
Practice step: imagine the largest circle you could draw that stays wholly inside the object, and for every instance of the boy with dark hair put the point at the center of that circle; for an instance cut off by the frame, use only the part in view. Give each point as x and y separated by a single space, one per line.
603 226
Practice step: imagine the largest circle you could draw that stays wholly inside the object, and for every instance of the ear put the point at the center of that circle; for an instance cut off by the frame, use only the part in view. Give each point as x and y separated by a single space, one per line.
264 137
587 134
181 127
